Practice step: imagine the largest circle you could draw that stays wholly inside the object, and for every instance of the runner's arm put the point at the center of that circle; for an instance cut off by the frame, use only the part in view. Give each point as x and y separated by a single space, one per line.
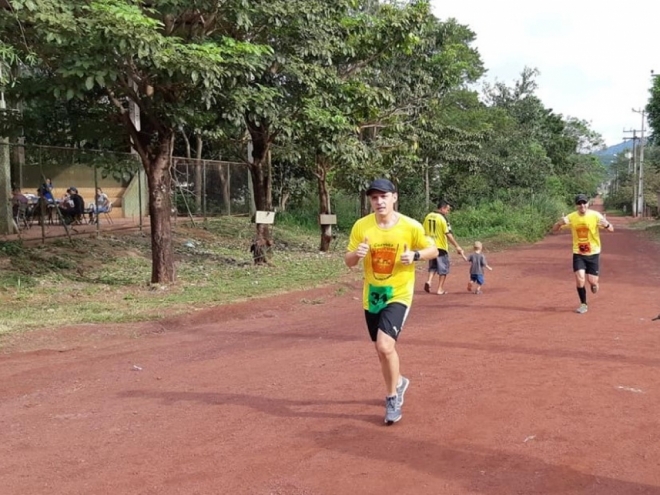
425 246
358 247
428 253
351 259
604 223
452 241
559 224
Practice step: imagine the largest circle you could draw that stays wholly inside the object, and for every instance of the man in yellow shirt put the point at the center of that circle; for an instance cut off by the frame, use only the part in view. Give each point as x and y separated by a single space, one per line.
389 243
436 226
585 224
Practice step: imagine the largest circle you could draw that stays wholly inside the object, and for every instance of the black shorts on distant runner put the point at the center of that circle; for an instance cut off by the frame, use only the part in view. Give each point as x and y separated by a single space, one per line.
390 320
590 264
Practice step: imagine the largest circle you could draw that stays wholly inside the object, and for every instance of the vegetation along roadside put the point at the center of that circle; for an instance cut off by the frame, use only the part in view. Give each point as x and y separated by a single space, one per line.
106 279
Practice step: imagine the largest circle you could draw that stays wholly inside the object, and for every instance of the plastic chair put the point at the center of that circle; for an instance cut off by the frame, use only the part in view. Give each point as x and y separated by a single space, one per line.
107 213
21 218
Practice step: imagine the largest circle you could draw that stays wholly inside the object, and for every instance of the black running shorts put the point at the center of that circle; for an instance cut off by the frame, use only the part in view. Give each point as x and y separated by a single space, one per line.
590 264
389 320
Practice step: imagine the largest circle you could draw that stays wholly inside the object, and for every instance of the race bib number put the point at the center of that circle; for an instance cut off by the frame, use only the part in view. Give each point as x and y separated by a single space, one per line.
379 297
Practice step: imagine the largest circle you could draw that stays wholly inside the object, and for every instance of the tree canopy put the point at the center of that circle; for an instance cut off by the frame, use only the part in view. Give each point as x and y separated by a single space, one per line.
329 95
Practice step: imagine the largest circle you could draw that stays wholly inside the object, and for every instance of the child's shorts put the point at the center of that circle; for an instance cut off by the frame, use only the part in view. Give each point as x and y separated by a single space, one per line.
479 279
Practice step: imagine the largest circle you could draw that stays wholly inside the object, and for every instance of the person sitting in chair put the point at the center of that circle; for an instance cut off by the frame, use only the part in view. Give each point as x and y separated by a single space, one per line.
18 199
102 205
73 209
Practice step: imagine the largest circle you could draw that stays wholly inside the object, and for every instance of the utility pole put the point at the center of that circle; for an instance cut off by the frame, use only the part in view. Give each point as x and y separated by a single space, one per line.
632 168
640 175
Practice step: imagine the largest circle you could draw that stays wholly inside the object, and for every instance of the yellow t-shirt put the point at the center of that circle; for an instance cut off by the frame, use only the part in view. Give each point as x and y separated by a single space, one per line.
437 227
586 237
386 279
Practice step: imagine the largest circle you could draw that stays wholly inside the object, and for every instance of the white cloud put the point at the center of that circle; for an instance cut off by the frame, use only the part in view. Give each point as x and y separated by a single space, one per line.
595 58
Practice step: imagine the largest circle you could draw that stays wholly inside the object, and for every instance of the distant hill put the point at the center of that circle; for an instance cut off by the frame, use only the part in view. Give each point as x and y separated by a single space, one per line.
608 154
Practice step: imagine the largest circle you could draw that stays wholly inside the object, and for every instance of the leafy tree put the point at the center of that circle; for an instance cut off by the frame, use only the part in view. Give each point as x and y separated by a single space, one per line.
165 57
405 127
534 144
653 110
317 47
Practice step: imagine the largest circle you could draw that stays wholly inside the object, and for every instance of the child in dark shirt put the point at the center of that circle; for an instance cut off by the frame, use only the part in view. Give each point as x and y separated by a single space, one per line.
477 264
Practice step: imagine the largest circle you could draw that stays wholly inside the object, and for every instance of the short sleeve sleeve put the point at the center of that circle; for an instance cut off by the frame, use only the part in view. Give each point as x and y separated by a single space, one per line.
420 239
355 238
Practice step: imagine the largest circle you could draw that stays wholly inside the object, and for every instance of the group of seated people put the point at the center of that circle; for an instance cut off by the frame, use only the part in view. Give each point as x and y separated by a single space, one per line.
71 206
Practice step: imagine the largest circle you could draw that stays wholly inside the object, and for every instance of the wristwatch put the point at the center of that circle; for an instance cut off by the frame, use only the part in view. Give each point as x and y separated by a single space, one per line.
416 257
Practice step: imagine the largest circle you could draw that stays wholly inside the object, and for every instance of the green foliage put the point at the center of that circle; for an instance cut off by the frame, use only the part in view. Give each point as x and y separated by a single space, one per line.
653 110
331 94
304 214
10 248
528 217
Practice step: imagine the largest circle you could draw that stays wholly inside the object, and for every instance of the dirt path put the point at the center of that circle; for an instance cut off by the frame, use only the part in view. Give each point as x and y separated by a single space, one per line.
511 392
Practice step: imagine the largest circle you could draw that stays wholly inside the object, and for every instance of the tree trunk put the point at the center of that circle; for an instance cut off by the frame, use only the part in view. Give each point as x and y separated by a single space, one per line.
261 181
198 173
159 180
322 167
223 175
284 198
364 204
6 217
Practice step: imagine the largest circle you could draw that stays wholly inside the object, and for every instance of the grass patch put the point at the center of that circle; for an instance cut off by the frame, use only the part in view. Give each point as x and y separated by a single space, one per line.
652 229
644 224
106 280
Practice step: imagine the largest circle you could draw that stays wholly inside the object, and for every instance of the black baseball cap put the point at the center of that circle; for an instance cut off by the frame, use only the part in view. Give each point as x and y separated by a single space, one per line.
581 198
382 185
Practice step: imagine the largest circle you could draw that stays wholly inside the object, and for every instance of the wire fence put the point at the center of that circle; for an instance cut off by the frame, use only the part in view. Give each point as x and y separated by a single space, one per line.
210 187
43 179
199 188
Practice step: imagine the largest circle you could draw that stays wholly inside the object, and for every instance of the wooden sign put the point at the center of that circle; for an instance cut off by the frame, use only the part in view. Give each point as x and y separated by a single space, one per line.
328 219
265 217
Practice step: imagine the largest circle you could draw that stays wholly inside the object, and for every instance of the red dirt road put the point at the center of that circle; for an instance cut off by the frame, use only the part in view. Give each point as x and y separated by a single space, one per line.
511 392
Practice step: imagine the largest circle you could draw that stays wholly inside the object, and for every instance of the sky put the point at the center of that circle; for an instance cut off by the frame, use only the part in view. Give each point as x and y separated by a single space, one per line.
595 58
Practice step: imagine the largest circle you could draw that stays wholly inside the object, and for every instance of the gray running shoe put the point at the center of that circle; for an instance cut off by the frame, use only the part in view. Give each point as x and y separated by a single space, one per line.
582 309
401 390
392 410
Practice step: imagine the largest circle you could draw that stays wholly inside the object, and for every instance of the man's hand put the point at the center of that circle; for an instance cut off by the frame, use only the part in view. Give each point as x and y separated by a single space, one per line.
560 223
407 257
363 248
603 222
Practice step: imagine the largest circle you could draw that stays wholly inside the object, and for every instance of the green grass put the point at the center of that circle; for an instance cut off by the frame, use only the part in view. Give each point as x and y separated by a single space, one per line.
650 227
107 280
